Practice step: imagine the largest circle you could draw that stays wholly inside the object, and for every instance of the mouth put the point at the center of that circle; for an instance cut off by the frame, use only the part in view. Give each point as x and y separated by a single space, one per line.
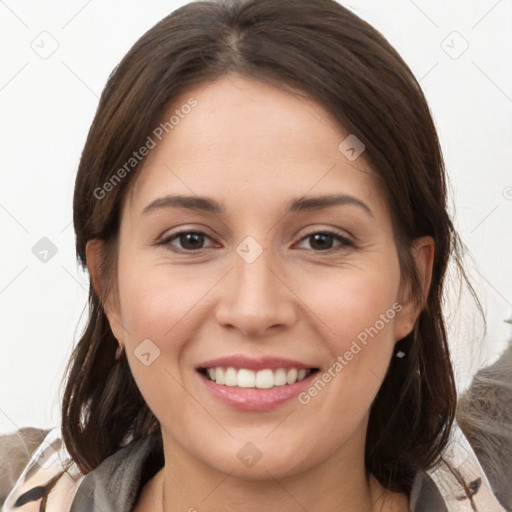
265 378
255 384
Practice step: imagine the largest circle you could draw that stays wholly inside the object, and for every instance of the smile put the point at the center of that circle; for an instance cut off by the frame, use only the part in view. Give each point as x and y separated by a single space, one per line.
262 379
255 384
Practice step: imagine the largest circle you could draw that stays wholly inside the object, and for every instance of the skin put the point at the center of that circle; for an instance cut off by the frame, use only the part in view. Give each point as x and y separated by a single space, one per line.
253 147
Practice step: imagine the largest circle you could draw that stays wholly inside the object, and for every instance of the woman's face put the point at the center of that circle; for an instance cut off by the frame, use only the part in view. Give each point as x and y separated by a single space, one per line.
234 254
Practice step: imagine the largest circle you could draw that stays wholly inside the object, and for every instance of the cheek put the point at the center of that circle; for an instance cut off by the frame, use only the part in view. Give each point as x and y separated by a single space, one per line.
157 310
157 299
358 312
352 303
165 305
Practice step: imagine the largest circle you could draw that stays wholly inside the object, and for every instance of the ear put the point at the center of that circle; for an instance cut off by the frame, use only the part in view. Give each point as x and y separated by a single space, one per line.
423 255
93 250
93 253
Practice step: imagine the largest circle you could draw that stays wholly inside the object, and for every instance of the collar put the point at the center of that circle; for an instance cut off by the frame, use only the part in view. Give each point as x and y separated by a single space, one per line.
116 483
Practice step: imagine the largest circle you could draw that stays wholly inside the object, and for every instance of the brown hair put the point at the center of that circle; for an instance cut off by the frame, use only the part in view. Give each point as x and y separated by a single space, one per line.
340 61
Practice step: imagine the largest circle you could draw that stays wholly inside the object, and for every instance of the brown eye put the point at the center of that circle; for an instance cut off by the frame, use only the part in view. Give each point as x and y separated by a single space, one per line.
188 240
191 240
321 241
324 240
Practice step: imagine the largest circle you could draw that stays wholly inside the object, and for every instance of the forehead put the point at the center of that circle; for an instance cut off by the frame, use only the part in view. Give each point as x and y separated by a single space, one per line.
242 135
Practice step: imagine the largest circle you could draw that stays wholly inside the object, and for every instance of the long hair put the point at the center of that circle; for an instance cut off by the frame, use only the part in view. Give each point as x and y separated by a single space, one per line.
322 50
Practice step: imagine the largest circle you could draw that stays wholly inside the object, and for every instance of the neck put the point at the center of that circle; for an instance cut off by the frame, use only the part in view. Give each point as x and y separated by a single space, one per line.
187 484
273 495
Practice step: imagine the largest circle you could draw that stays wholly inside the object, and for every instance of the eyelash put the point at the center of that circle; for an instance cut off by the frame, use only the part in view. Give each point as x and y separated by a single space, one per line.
344 242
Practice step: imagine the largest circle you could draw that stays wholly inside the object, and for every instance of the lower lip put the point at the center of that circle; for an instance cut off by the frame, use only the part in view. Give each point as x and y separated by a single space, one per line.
254 399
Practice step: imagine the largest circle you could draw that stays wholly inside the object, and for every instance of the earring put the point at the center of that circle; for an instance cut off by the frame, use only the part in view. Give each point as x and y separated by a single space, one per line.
119 351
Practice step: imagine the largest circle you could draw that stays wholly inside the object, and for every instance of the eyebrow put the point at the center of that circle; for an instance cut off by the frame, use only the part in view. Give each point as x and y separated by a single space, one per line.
300 204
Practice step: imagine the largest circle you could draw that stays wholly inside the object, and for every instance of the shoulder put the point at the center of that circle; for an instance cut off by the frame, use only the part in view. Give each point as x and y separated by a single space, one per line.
49 481
460 478
485 417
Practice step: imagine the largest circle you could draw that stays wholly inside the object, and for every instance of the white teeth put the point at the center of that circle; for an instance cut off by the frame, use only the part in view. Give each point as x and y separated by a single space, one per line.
219 375
291 376
263 379
279 377
301 375
230 377
246 378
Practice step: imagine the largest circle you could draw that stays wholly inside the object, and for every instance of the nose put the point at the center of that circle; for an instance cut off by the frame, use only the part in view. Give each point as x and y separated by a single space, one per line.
256 299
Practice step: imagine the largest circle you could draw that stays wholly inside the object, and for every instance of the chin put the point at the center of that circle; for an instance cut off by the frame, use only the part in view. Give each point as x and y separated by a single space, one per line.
259 460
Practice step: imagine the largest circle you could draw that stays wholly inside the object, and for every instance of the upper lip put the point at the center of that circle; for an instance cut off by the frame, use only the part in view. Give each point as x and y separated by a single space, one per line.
254 363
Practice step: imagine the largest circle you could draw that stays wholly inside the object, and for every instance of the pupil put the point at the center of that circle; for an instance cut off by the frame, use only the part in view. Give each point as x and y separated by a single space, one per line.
193 238
322 239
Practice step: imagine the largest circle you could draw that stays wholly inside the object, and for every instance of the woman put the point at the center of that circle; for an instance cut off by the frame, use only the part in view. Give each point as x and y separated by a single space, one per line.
261 206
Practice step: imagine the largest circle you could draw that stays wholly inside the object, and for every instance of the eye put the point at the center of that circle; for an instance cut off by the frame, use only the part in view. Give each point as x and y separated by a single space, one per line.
323 241
188 240
320 241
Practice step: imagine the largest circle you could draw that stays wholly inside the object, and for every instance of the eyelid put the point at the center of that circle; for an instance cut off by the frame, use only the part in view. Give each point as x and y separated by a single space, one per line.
344 240
183 232
313 229
166 239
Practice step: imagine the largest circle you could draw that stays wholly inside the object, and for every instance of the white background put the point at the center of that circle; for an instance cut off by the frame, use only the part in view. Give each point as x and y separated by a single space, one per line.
47 106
